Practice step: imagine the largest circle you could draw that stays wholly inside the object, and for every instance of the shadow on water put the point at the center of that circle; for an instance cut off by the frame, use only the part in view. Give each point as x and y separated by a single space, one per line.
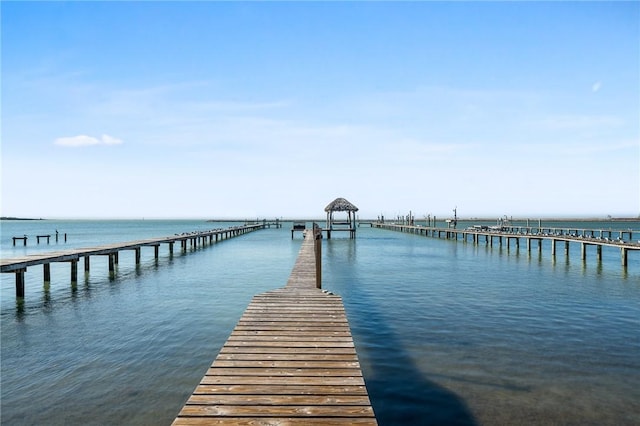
399 392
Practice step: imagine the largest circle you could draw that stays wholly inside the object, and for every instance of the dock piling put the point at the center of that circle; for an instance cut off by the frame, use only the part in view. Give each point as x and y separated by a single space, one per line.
74 270
20 283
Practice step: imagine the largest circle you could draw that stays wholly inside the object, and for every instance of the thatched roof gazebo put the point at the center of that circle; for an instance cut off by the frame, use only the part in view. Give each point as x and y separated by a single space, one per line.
341 205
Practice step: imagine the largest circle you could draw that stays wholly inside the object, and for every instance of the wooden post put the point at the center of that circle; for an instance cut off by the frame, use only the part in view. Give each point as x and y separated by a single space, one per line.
74 270
623 255
86 264
24 240
20 283
553 247
47 272
137 250
599 253
171 248
583 251
156 252
111 263
318 252
566 248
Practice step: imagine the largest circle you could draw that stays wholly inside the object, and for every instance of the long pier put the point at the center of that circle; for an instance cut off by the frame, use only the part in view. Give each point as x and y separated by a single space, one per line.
585 237
289 361
19 265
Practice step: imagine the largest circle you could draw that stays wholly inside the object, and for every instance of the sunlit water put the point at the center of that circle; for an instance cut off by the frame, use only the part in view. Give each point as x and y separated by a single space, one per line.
447 332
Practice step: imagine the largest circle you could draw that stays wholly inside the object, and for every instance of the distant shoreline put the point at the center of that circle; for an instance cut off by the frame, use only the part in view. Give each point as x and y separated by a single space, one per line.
19 218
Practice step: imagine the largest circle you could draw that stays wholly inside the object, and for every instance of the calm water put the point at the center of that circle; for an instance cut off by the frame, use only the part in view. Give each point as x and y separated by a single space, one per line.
446 332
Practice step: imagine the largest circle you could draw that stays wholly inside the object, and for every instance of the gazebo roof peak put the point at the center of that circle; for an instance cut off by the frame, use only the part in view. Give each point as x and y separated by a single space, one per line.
340 205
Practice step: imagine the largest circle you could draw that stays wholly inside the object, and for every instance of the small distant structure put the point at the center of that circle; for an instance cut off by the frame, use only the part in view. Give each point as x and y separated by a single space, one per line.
341 205
298 226
453 222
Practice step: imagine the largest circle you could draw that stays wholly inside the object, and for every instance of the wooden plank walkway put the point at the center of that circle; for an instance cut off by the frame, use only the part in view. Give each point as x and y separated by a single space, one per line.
17 263
585 238
289 361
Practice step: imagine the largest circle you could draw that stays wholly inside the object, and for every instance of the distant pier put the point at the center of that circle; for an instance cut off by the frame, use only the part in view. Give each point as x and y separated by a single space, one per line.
514 234
38 237
289 361
19 265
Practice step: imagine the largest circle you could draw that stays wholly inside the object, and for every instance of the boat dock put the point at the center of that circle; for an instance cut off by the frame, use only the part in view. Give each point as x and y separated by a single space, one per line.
509 234
19 265
290 360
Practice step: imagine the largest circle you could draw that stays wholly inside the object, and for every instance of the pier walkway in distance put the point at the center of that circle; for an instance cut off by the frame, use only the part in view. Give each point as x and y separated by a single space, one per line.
289 361
19 265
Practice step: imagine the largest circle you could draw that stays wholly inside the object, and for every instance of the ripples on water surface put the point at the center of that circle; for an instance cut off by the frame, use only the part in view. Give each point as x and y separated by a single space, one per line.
446 332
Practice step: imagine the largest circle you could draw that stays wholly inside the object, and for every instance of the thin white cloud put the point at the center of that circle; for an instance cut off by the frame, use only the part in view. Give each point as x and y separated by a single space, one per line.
110 140
84 140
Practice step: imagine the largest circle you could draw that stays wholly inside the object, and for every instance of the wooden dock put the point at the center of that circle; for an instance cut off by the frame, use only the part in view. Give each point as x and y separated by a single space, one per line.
289 361
583 237
19 265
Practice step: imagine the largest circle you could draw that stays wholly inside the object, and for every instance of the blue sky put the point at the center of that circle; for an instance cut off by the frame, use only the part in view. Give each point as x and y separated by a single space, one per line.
234 109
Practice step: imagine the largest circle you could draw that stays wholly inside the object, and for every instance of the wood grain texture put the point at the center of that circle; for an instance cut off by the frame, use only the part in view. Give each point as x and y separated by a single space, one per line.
290 360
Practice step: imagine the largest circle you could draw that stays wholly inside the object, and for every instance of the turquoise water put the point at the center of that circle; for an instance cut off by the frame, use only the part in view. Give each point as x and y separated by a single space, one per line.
446 332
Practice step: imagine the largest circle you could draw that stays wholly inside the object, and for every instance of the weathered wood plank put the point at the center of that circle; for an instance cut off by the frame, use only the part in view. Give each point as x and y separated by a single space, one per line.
291 344
271 421
283 372
287 357
306 338
290 333
278 410
288 363
293 381
285 350
270 389
283 325
274 399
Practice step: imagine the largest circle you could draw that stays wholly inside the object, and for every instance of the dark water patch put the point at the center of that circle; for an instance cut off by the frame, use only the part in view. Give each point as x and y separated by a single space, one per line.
400 392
